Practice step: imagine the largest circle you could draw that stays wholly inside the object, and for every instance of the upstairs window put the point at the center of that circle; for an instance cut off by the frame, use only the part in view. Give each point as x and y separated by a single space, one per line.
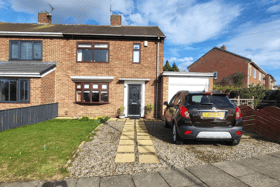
260 76
136 53
255 73
91 93
25 50
93 52
14 90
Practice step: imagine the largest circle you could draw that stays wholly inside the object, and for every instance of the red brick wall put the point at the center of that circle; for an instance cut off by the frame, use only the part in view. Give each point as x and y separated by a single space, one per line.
43 17
48 88
256 80
224 63
64 52
210 88
116 19
164 94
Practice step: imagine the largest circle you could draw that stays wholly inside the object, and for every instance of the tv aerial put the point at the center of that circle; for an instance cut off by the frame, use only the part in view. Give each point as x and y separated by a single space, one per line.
51 8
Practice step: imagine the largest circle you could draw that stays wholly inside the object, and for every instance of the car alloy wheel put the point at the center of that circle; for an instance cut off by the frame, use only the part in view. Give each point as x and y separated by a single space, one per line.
176 138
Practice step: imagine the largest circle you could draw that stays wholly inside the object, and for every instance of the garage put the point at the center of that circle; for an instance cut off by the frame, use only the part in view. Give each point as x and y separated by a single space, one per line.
172 82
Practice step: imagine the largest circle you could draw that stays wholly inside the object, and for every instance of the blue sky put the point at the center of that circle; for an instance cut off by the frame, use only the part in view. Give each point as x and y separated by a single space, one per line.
193 27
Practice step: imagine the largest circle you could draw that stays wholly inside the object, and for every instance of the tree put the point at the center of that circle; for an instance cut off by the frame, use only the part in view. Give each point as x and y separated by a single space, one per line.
174 67
167 66
236 79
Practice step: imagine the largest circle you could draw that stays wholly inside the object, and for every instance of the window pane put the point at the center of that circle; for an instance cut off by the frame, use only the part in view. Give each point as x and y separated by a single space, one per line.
136 46
22 90
79 96
86 86
13 90
4 90
100 55
104 86
86 96
78 86
95 96
37 50
14 49
136 57
104 96
26 50
79 55
84 45
101 45
87 55
95 86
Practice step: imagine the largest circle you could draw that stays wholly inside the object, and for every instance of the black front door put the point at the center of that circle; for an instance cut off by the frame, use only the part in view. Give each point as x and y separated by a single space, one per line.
134 99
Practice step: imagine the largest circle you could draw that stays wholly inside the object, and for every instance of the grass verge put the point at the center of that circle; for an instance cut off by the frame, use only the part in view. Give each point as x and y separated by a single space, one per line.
39 151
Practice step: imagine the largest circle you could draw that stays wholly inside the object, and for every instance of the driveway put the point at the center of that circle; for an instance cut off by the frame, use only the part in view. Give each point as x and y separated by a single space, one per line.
98 157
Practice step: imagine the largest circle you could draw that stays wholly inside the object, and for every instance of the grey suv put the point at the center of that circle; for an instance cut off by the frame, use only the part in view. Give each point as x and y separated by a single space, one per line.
203 116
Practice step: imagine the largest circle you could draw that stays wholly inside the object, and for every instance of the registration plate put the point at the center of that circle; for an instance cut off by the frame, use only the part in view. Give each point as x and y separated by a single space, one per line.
213 114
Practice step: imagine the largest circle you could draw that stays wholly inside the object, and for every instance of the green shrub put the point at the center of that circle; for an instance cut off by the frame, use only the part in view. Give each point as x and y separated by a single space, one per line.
149 108
84 118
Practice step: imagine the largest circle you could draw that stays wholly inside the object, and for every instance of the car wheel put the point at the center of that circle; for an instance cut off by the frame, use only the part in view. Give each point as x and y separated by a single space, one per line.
176 138
165 123
234 142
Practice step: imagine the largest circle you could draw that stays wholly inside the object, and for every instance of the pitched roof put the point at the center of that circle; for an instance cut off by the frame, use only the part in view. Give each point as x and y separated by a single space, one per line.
93 30
223 51
25 68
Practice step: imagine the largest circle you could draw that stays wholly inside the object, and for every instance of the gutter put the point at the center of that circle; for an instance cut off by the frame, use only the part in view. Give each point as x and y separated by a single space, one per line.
157 80
89 34
50 34
31 75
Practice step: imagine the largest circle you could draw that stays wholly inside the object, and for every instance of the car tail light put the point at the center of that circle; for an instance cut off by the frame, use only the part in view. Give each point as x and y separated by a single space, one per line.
184 112
208 93
237 113
188 132
238 133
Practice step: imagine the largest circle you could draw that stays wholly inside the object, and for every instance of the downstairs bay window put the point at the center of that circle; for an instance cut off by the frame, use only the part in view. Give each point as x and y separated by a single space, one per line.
92 93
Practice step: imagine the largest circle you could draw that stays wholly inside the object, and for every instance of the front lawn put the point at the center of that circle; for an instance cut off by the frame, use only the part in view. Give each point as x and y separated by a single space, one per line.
39 151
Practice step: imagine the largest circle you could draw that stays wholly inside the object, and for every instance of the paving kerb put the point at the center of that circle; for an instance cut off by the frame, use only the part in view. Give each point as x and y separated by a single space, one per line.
88 182
149 179
117 181
269 159
276 154
234 169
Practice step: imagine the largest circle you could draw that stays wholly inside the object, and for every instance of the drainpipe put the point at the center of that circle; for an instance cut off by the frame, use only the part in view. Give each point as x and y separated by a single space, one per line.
157 77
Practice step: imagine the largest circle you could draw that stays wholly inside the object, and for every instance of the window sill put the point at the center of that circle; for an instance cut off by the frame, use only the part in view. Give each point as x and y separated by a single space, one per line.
39 60
15 102
88 103
89 62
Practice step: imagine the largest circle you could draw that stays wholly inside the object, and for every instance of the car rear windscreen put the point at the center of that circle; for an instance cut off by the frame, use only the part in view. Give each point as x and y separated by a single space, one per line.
217 100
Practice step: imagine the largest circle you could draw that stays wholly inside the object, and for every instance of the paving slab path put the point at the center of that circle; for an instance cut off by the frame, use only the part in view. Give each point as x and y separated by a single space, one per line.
135 139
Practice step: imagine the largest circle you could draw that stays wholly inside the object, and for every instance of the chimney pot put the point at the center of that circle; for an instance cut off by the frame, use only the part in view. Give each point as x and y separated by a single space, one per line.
116 20
224 47
44 17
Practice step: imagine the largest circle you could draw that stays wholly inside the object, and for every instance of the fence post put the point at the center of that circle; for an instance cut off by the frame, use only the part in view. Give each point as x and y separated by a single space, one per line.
238 101
253 102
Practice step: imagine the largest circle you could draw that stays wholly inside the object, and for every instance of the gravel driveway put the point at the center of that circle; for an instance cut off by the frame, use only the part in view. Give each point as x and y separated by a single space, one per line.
97 157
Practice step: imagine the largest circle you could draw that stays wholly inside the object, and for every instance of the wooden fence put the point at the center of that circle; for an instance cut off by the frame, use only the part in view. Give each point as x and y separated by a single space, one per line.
13 118
265 122
249 102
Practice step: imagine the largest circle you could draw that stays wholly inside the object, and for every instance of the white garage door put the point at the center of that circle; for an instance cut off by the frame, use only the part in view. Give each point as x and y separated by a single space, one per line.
176 84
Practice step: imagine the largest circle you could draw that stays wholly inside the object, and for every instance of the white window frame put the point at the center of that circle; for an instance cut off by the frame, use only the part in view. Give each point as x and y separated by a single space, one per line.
260 76
254 73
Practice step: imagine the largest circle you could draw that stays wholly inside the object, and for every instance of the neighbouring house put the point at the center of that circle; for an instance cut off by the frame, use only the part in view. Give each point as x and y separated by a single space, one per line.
226 63
86 69
270 82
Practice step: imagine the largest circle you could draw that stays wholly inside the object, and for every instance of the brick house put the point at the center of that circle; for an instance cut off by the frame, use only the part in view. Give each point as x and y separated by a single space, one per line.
87 69
226 63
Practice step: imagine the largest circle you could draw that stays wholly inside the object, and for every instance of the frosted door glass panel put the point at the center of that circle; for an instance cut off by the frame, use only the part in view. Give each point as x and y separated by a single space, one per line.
136 56
14 49
95 96
95 86
78 86
136 46
37 50
26 50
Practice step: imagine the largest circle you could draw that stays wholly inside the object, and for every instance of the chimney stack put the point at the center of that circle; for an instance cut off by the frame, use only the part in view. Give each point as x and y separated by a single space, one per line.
44 17
116 20
224 47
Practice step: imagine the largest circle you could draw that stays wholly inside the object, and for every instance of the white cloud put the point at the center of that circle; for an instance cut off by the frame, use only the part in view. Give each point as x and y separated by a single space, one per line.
274 8
187 22
137 19
79 11
183 62
258 43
